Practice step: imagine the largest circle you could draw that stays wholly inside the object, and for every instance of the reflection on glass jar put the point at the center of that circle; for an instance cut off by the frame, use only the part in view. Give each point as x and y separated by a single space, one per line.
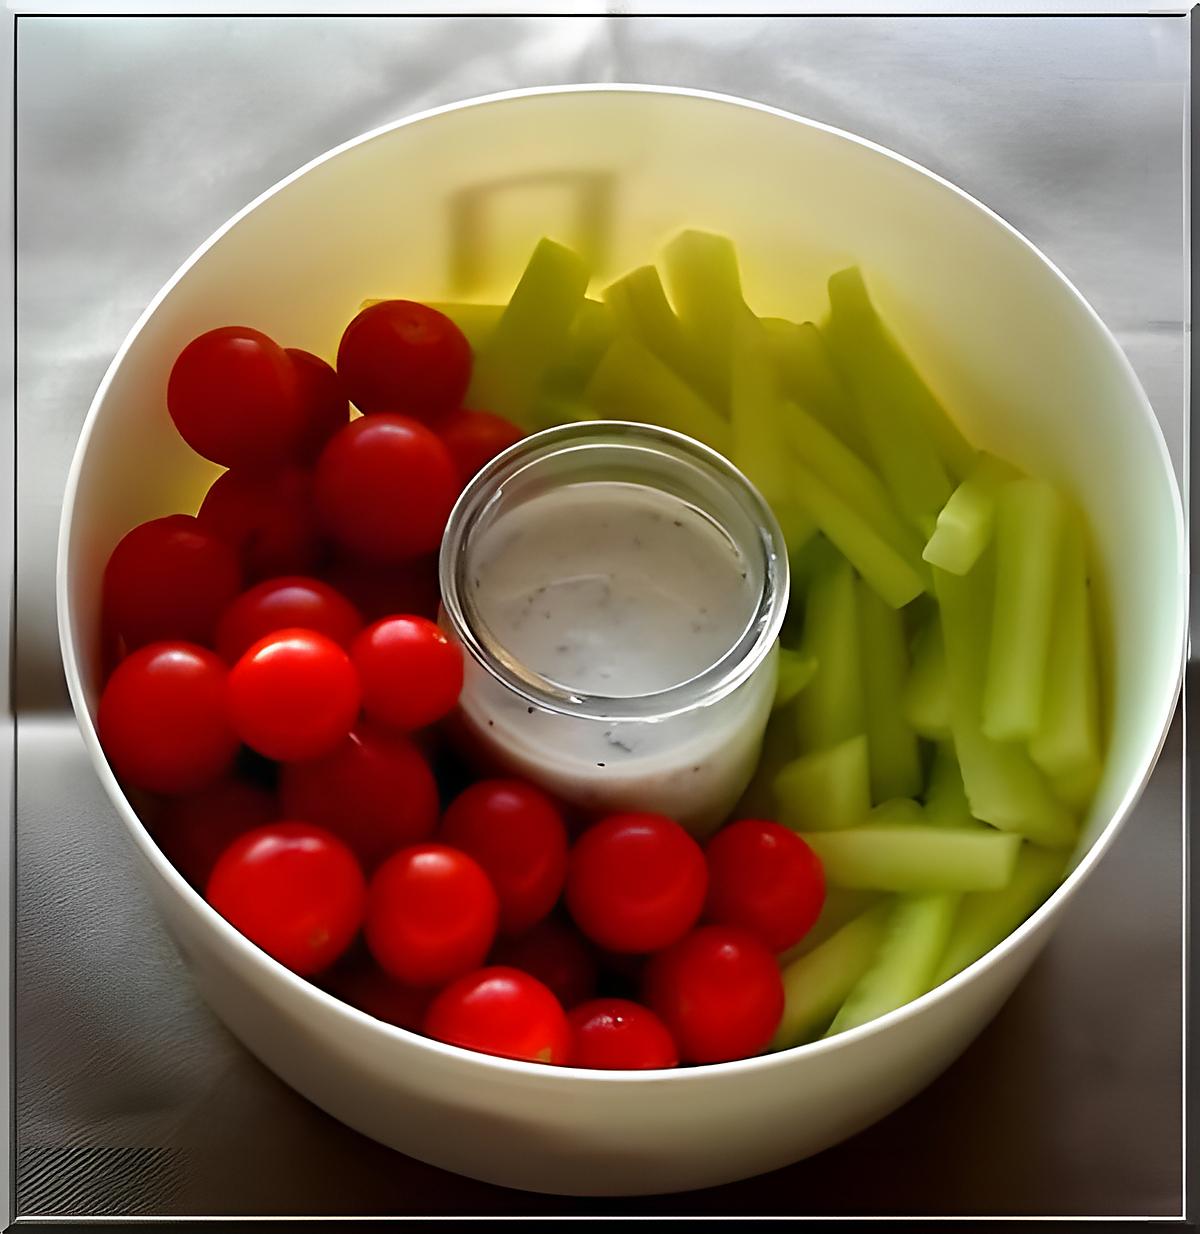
618 590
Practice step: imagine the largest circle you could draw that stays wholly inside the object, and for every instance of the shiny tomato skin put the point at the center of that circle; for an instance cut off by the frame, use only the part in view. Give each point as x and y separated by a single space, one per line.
501 1011
292 889
163 722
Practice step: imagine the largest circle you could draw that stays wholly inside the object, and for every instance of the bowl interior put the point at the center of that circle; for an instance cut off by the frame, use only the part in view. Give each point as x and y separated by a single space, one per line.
449 206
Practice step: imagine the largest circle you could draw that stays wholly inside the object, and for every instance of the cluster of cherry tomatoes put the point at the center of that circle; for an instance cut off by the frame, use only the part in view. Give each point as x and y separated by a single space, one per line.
276 685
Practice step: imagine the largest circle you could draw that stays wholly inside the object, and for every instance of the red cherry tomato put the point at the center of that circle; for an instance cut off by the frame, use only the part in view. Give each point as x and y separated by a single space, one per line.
169 578
636 882
375 791
193 831
278 603
293 889
614 1034
501 1011
719 993
268 518
235 398
163 721
475 437
401 356
325 405
293 695
381 590
763 877
411 672
517 834
368 988
556 955
431 915
385 486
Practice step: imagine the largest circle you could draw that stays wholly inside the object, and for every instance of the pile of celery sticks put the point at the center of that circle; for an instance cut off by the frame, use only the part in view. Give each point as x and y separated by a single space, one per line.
936 735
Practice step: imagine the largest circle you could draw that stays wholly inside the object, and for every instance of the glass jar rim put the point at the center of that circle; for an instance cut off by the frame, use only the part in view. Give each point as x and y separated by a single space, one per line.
708 686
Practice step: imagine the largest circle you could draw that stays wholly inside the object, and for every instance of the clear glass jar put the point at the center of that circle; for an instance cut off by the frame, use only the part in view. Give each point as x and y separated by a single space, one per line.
618 591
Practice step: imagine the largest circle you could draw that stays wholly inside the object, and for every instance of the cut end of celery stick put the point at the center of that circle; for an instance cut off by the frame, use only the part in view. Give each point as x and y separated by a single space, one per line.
825 789
895 759
1067 744
885 570
831 709
816 984
1029 518
926 695
705 285
986 919
1003 785
632 384
896 811
796 670
900 443
532 332
964 526
914 939
897 857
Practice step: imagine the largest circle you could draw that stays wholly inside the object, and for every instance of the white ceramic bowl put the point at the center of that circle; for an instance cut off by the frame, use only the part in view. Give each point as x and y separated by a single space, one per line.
446 205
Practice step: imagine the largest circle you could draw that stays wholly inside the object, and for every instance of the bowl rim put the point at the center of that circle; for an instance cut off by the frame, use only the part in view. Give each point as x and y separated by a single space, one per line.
254 957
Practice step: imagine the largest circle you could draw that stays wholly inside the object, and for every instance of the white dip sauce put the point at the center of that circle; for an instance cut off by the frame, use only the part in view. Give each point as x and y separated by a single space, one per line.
616 591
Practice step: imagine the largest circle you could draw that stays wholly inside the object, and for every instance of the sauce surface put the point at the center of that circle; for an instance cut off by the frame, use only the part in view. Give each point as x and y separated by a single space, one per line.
611 588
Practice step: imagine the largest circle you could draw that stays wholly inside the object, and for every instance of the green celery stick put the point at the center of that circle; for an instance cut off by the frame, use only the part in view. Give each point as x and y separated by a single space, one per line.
905 387
809 377
552 409
901 444
640 308
926 696
816 984
883 567
1067 743
476 321
796 524
632 384
812 559
780 746
841 906
902 857
826 789
986 918
896 811
843 471
706 289
1076 788
891 743
590 335
1003 785
796 670
756 413
1029 518
964 526
946 802
531 334
914 938
831 708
